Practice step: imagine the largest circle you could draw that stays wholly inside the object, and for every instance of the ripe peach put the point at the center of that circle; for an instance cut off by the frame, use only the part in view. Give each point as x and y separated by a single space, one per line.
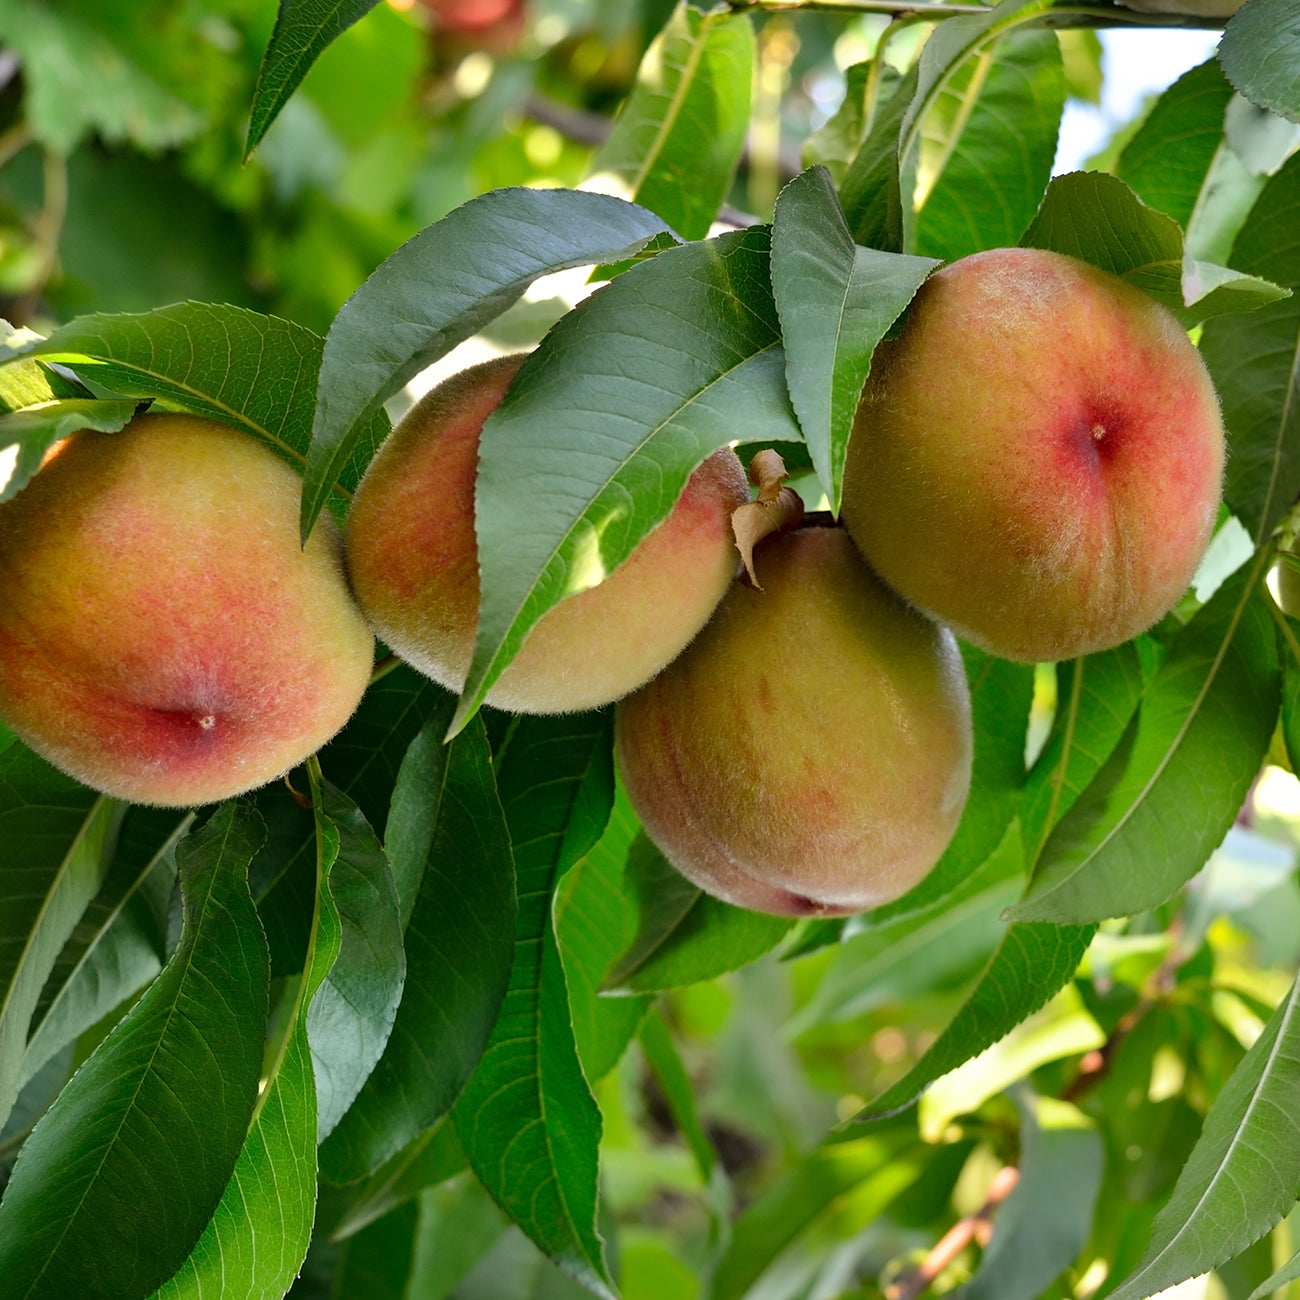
413 557
810 752
1038 459
163 635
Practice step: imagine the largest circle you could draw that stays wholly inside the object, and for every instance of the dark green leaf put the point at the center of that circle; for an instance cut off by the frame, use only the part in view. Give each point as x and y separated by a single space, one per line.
1031 965
1241 1177
104 1208
1253 361
1165 164
871 189
119 944
1044 1223
438 289
1164 800
989 143
605 422
55 841
352 1012
36 429
458 947
835 300
677 140
527 1119
1260 52
303 28
1001 693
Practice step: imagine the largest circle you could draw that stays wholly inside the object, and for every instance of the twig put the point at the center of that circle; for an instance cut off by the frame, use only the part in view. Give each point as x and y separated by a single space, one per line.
975 1227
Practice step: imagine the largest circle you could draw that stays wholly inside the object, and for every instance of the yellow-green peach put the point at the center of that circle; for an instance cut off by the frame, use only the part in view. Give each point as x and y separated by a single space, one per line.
412 555
1038 459
164 637
810 752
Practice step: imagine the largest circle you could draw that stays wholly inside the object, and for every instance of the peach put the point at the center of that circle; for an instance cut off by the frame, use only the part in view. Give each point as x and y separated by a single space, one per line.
164 637
810 752
1038 459
413 557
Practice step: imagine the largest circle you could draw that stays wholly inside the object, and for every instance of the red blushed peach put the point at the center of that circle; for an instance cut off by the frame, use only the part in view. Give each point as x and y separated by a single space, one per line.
413 558
810 752
1038 459
164 637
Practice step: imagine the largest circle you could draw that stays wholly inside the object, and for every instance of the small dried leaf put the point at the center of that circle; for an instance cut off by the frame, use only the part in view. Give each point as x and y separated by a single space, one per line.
776 508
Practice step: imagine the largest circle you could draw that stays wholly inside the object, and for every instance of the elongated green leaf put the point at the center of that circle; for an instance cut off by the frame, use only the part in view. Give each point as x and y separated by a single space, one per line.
303 28
593 924
1255 362
352 1011
664 1060
461 906
254 371
683 935
55 840
1260 52
606 421
677 140
119 944
527 1119
871 190
1273 1284
1243 1174
835 300
1166 162
35 429
258 1237
1001 693
1095 698
988 145
873 1169
1031 965
1044 1223
106 1209
1162 804
439 288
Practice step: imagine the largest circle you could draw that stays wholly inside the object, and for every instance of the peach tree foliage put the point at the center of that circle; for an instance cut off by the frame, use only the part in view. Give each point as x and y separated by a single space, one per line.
384 1025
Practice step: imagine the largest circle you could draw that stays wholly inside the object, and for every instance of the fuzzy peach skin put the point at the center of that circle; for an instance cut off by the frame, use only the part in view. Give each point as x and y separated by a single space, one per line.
810 752
164 638
413 559
1038 459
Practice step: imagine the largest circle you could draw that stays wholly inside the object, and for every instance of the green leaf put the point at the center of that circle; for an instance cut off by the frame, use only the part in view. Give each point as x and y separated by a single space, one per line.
258 1237
605 422
1253 360
253 371
460 900
56 838
1273 1284
988 146
1031 965
437 290
872 1170
871 190
683 935
1260 53
1164 800
303 28
119 944
527 1119
663 1058
593 924
1098 219
104 1208
1043 1225
1241 1177
1001 693
676 141
36 429
352 1012
1096 697
835 300
1165 164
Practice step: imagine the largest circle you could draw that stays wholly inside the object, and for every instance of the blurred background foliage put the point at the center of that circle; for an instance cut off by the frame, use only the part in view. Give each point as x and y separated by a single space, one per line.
123 188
